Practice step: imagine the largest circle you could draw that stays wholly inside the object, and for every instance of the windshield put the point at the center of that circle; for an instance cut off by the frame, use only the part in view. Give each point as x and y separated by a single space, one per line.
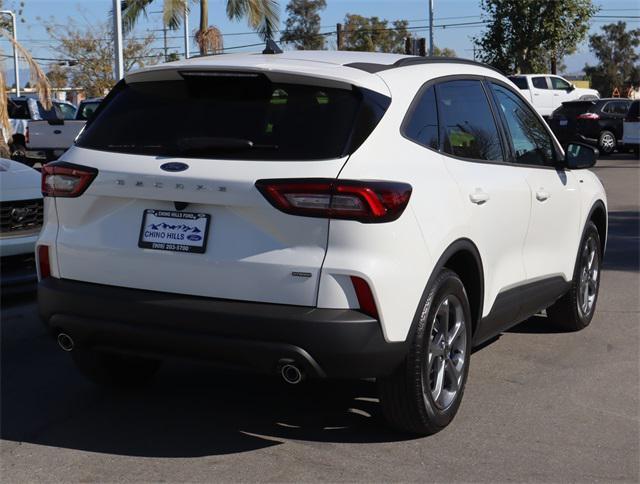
234 116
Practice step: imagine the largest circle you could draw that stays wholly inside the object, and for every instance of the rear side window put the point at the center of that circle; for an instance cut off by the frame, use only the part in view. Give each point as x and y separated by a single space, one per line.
18 109
467 124
520 82
422 123
540 82
234 116
531 142
616 107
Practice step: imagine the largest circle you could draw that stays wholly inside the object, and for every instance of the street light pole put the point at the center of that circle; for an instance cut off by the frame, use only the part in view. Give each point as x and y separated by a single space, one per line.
430 28
15 50
186 32
117 40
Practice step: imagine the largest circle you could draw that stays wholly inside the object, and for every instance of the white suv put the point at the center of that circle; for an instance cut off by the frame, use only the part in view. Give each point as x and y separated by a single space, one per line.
317 214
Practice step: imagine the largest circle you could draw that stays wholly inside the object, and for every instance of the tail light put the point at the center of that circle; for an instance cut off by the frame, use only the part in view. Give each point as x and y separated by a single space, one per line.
366 202
62 179
365 297
44 266
588 116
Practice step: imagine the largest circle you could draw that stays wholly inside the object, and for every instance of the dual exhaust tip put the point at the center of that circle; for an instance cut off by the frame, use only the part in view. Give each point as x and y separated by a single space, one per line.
65 342
289 371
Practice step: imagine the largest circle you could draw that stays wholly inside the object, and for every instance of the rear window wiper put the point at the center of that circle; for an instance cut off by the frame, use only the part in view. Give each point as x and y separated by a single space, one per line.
207 144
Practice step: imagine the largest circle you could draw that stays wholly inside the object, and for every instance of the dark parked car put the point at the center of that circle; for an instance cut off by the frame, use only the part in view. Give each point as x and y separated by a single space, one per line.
597 122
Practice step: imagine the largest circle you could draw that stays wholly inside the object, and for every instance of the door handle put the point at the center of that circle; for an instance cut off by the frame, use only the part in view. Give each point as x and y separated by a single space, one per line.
479 197
542 195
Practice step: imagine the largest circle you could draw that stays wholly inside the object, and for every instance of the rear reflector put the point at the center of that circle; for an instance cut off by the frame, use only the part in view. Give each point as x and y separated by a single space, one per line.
367 202
588 116
44 266
365 297
61 179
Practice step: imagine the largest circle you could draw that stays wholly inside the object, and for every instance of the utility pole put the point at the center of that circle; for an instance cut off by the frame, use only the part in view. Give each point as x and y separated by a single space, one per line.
16 67
339 36
430 28
117 40
164 36
186 32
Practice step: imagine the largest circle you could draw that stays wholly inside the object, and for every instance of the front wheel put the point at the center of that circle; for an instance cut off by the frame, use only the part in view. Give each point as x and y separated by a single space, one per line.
574 311
423 395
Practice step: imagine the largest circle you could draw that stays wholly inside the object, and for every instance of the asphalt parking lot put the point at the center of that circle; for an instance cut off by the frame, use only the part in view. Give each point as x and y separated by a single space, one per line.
539 405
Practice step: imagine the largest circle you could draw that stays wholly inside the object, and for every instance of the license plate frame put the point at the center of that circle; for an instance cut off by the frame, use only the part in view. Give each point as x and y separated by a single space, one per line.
178 241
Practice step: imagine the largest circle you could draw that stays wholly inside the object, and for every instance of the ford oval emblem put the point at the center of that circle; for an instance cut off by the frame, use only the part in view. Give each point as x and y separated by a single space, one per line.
174 166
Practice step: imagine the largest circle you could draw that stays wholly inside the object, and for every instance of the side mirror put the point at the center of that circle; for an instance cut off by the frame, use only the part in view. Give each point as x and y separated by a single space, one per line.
571 87
578 156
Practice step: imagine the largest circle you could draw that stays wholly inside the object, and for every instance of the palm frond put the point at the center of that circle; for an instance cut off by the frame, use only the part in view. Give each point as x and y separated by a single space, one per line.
131 12
262 15
37 77
210 40
173 12
5 124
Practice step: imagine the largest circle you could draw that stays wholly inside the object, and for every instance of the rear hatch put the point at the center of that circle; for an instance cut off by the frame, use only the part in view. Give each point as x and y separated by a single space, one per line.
565 120
174 205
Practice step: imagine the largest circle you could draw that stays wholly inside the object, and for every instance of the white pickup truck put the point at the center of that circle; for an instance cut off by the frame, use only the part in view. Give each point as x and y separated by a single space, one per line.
547 92
48 139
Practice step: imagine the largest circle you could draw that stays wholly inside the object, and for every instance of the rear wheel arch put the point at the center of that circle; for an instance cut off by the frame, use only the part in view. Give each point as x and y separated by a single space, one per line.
598 215
463 258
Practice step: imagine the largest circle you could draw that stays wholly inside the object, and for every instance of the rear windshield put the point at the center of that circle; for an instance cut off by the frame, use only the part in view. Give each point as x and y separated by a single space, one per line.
520 82
234 116
575 108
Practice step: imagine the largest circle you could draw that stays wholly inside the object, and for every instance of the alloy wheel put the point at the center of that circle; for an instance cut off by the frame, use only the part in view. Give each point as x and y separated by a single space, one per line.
589 272
446 353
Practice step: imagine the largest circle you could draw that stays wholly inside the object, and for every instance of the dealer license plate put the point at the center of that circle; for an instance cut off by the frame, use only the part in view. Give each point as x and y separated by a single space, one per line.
563 122
174 231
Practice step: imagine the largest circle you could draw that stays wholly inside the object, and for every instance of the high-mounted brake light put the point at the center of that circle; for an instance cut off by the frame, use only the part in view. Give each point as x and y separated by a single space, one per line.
62 179
588 116
367 202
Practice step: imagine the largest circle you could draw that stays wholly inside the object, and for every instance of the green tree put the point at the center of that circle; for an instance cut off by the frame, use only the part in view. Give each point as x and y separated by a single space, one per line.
529 36
92 48
446 52
372 34
303 24
615 50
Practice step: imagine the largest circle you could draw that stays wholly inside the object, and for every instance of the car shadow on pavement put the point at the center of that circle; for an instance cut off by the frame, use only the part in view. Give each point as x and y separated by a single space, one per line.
189 410
623 244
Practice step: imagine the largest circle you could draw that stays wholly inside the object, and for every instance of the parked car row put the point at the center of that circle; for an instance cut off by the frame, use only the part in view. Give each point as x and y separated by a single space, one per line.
41 135
601 123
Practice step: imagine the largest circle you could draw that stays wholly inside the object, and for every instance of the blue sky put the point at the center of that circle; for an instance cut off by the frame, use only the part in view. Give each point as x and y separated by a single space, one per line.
447 12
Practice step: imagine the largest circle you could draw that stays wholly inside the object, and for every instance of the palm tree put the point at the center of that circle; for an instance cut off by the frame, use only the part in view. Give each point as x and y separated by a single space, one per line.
37 79
262 15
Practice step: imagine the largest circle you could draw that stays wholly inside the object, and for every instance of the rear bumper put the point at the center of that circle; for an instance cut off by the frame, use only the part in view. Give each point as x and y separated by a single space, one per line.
337 343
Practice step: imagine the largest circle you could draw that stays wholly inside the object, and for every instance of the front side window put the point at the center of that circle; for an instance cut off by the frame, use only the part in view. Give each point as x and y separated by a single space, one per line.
422 123
540 82
559 83
468 129
531 142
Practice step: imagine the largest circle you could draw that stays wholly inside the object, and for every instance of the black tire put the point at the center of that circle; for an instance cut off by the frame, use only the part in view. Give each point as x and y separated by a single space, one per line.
406 396
607 142
114 370
568 312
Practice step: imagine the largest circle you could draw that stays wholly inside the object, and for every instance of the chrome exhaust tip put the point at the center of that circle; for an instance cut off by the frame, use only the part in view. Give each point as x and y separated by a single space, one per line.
291 374
65 342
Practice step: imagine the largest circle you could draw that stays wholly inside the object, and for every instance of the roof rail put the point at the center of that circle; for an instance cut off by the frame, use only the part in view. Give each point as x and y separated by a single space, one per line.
416 60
